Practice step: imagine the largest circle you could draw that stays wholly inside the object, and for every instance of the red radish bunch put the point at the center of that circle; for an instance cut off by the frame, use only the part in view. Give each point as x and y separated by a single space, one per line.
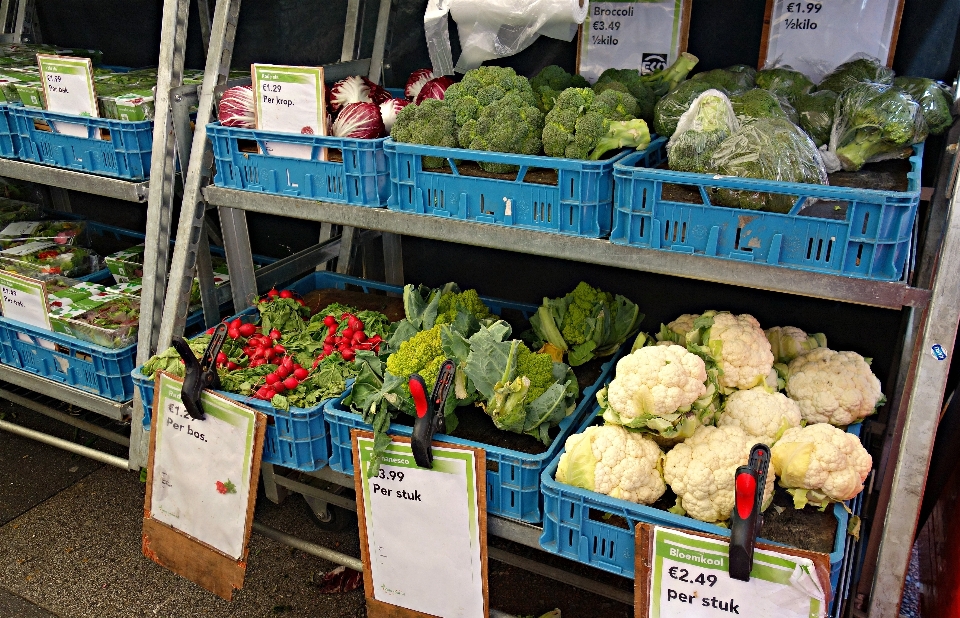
434 89
236 108
286 377
349 341
416 81
353 89
359 120
389 110
273 295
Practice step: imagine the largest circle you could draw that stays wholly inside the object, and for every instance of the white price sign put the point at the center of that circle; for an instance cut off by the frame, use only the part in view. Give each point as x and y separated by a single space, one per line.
289 100
423 530
815 37
68 88
24 300
632 34
690 579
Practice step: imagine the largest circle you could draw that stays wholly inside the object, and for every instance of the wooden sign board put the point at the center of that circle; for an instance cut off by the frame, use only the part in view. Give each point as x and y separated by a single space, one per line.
423 532
632 34
814 37
684 573
202 480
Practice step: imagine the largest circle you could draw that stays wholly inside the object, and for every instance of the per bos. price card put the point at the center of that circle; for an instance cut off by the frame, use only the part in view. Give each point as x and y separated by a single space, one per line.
422 531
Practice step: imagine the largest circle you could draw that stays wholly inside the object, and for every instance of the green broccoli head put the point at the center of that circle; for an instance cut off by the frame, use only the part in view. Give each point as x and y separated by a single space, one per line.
784 82
421 354
662 82
550 82
744 68
876 121
757 103
538 368
816 114
481 87
669 109
771 149
615 105
691 150
509 124
575 124
934 99
729 81
452 303
859 71
430 123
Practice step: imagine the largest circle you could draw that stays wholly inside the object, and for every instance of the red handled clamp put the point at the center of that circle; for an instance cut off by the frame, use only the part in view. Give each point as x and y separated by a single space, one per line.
199 374
746 518
429 419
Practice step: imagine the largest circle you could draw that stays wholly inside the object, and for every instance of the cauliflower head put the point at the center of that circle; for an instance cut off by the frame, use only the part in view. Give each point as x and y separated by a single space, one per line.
789 342
614 461
676 331
833 387
701 471
738 347
820 464
654 388
762 415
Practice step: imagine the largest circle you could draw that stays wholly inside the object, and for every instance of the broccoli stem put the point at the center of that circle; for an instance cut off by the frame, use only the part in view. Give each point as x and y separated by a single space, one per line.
863 147
666 80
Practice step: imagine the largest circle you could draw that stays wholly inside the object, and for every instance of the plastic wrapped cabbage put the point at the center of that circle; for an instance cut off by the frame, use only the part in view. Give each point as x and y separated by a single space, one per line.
709 121
875 122
771 149
934 98
859 71
784 82
816 114
668 110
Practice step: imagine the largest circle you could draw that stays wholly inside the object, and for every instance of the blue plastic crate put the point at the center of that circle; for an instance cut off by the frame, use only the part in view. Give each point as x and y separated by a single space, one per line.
872 240
67 360
570 531
123 152
513 477
579 203
9 138
361 178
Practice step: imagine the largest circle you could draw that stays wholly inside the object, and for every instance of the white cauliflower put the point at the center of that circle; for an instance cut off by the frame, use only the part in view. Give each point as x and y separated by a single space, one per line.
701 471
677 330
656 388
739 348
833 387
762 415
614 461
820 464
789 342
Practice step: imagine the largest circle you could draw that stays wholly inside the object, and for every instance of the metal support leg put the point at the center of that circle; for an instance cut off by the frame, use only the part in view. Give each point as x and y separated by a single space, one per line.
348 245
60 199
392 259
192 212
326 233
275 492
208 292
236 242
203 7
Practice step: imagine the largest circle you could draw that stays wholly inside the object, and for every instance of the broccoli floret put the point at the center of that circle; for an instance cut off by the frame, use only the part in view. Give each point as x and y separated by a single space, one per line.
662 82
934 100
815 111
431 123
481 87
771 149
538 368
580 119
785 83
550 82
583 301
506 125
623 134
875 121
757 103
631 82
728 81
451 303
667 113
860 71
691 150
420 354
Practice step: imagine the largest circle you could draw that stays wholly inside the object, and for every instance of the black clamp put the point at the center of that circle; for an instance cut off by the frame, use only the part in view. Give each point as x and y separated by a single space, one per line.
746 519
430 419
199 374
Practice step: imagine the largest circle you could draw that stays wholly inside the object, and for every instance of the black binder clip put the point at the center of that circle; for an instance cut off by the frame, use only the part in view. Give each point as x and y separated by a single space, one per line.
430 418
746 518
199 374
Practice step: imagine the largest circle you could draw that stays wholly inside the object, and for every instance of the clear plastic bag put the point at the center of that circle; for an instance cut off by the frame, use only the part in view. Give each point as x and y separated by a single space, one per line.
667 112
875 122
700 130
731 82
816 114
856 71
784 82
935 100
771 149
758 103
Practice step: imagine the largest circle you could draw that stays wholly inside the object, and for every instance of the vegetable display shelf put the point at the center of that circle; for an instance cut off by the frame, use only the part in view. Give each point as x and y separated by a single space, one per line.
359 178
9 138
117 148
68 360
549 194
575 523
855 232
513 477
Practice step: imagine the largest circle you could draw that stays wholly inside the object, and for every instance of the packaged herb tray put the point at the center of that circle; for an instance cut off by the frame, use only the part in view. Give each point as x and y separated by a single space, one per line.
21 232
104 319
49 258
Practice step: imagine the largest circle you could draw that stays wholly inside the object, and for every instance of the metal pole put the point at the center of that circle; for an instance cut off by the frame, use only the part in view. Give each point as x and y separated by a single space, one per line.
920 424
310 548
81 424
193 209
65 445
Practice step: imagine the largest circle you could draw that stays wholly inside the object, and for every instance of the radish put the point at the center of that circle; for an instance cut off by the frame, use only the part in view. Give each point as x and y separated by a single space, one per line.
348 334
233 333
222 358
232 366
273 293
328 321
279 387
348 355
300 373
257 362
291 383
272 378
210 331
235 324
286 294
282 372
275 334
279 349
247 330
